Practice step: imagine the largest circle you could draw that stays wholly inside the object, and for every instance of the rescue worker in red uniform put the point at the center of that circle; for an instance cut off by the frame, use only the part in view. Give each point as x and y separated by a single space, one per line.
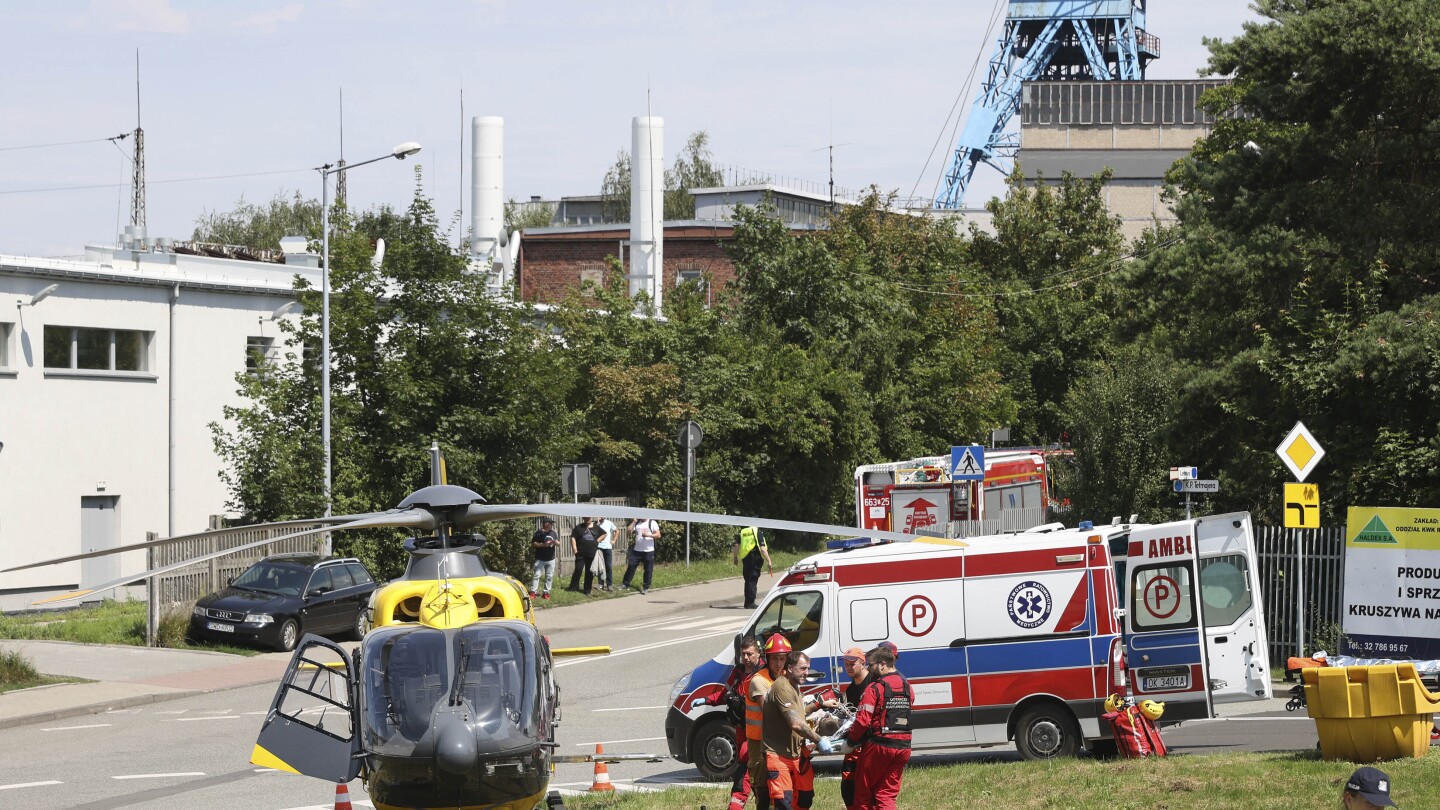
776 648
856 668
747 663
882 724
791 779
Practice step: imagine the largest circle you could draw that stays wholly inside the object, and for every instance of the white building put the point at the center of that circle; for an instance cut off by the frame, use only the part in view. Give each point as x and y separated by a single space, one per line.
108 385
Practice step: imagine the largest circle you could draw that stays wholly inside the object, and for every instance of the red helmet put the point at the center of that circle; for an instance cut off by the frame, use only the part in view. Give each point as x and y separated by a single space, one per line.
777 645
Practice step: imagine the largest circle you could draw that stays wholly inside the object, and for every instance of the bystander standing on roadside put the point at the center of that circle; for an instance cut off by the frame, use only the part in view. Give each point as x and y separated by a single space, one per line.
582 545
543 544
604 544
643 534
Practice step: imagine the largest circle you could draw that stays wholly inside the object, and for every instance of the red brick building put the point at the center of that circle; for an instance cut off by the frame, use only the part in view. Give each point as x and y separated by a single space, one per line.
554 261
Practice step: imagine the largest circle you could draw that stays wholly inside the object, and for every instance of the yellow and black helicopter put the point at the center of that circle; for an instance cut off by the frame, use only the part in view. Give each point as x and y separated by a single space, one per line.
450 699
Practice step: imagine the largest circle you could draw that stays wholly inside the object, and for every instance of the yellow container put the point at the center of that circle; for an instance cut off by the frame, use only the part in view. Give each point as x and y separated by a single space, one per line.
1366 714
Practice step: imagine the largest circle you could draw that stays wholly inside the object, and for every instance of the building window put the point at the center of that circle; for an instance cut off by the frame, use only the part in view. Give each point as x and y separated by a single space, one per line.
694 279
78 347
5 344
259 351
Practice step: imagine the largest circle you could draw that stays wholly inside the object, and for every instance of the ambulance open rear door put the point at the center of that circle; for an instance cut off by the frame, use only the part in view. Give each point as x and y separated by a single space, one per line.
1194 629
1231 606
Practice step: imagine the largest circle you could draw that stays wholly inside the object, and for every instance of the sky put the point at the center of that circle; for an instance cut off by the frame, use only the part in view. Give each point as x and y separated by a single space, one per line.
243 100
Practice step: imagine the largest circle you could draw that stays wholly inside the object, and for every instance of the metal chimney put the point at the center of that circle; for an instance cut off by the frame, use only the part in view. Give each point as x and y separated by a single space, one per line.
487 183
647 207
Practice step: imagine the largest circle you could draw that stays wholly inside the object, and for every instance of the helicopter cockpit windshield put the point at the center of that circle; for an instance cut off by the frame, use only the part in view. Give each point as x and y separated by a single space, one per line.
485 674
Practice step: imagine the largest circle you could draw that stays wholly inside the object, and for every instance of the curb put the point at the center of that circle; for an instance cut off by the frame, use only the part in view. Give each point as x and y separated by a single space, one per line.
121 703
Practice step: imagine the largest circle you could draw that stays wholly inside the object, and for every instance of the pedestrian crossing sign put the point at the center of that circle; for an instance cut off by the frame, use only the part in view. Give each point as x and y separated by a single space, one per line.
967 463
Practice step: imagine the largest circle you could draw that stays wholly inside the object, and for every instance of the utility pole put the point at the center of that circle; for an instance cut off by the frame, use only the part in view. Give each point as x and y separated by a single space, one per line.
137 178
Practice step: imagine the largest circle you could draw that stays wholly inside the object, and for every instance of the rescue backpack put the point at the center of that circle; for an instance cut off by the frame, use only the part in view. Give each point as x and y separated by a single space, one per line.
896 706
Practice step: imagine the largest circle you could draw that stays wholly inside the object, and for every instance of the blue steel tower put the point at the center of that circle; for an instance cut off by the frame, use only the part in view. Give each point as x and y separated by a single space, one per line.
1064 40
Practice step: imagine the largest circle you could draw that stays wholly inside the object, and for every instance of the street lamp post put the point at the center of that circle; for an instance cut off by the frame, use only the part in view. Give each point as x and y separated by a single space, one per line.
400 152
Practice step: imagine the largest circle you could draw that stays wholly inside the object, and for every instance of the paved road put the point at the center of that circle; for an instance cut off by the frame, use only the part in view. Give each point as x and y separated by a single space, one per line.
193 751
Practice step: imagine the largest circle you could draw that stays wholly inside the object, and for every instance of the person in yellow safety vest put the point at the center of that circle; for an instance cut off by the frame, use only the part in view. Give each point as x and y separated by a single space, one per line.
776 648
750 550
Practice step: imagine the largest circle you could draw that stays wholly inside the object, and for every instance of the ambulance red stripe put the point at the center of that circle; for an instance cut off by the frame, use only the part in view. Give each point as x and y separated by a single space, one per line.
1022 562
1008 688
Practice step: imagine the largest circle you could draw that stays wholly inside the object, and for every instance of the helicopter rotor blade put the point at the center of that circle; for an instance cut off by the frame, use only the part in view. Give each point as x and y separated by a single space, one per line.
411 518
484 512
280 524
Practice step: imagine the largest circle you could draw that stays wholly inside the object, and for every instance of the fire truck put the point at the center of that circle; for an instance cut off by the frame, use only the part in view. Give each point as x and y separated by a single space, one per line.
918 496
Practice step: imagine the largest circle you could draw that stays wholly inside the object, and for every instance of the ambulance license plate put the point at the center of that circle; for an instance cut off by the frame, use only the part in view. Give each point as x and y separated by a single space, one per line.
223 628
1167 679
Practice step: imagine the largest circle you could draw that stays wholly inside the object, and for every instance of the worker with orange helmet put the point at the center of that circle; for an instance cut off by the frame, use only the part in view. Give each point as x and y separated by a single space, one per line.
776 648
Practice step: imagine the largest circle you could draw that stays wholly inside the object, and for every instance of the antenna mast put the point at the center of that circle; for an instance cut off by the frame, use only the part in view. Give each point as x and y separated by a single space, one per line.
340 164
137 178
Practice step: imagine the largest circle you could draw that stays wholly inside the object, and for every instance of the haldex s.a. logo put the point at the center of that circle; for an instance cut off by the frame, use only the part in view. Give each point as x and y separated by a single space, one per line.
1029 604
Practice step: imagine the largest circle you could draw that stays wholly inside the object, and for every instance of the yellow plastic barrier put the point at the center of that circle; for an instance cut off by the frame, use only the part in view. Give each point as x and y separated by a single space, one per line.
1366 714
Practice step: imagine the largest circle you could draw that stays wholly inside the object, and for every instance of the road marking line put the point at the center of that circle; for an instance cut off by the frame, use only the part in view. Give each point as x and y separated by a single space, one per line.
174 711
631 709
644 648
30 784
616 742
686 623
158 775
192 719
72 728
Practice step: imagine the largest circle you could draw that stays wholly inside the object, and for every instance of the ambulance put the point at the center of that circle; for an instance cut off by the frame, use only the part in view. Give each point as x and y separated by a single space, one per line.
1017 637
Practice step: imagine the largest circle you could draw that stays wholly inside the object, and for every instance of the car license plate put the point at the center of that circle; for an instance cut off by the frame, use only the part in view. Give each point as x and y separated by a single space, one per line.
223 628
1166 683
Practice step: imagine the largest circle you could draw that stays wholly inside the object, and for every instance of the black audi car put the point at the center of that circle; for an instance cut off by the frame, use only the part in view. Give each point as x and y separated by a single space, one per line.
284 596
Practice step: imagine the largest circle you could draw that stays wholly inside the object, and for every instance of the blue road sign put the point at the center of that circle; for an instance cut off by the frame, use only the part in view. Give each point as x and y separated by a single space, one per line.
967 463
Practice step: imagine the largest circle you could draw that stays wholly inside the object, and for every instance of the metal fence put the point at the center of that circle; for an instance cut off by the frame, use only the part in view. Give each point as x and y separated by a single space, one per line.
1302 584
185 585
1006 520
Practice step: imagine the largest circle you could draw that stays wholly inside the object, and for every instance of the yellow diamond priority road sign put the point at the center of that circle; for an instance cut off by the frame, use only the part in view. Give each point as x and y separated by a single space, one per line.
1300 451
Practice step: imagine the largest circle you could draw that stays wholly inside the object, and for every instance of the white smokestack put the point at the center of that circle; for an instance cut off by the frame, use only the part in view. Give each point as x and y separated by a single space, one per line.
487 183
647 207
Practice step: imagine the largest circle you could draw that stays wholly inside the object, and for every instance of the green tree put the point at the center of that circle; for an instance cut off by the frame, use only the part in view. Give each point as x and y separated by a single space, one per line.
420 353
1119 413
1307 257
693 168
261 226
1051 262
522 215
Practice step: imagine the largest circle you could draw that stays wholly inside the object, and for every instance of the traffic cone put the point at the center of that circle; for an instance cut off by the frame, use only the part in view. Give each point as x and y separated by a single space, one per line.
342 797
602 774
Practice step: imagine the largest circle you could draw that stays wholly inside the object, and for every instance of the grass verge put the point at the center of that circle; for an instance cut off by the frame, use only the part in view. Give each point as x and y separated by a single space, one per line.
1296 781
16 672
109 622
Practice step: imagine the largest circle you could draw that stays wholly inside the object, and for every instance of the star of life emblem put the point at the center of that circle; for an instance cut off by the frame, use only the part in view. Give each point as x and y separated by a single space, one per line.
1030 604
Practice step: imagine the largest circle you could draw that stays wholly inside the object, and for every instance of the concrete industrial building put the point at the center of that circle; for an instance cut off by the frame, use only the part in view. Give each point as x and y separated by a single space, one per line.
1137 129
108 384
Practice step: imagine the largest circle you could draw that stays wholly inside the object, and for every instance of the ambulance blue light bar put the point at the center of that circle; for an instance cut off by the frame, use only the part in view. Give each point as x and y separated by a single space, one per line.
854 542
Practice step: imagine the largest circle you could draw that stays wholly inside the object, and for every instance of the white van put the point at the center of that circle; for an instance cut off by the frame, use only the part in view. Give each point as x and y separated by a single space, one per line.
1018 636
